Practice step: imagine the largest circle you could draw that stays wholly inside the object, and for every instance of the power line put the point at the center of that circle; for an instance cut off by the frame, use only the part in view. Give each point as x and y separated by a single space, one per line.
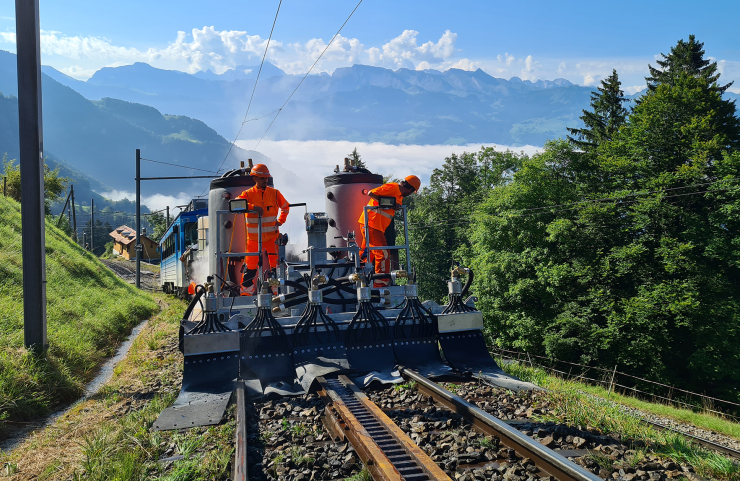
255 87
309 71
177 165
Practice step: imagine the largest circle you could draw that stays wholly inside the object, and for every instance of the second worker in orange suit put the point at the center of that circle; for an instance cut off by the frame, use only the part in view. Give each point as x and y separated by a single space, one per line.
379 220
275 210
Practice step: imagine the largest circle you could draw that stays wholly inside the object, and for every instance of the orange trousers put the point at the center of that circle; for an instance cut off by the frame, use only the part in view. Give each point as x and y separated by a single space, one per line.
381 258
272 253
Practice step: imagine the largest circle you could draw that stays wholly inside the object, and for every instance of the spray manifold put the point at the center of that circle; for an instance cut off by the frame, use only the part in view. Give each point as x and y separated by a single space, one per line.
264 323
457 292
313 318
414 320
209 322
367 325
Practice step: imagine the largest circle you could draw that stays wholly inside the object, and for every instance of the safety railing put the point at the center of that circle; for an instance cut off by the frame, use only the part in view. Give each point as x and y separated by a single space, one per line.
226 255
405 246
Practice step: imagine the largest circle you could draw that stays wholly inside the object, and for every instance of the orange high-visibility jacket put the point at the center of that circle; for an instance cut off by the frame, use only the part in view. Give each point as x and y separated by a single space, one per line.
271 201
380 219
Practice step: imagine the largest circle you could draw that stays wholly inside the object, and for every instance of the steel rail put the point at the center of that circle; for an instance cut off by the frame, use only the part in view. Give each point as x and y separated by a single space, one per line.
240 454
388 453
544 458
696 439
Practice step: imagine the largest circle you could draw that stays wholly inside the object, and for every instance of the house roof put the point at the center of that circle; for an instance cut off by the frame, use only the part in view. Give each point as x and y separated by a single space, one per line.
126 235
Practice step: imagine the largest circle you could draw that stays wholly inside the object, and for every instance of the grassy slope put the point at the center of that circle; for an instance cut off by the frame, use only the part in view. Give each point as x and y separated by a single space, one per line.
108 437
88 311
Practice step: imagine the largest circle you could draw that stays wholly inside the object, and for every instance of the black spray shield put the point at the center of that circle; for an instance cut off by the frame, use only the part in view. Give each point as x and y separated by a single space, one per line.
211 367
422 355
320 359
467 351
269 361
374 361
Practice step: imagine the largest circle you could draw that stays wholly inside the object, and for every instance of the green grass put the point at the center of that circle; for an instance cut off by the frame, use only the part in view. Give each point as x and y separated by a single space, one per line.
89 310
570 402
363 475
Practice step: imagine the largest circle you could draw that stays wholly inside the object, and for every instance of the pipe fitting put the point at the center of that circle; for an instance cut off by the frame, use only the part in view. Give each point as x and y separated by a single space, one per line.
264 301
411 291
454 286
399 274
315 297
363 294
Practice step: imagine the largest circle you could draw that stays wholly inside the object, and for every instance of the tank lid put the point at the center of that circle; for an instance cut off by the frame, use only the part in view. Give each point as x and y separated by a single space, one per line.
235 181
352 178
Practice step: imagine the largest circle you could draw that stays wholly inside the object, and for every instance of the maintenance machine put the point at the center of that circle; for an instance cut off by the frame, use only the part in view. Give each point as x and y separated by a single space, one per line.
316 317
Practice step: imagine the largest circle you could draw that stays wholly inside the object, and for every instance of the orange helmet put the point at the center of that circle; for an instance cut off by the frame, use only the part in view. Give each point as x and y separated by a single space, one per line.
413 182
260 170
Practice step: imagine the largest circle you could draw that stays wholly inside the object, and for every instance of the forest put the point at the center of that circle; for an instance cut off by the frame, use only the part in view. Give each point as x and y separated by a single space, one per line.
617 245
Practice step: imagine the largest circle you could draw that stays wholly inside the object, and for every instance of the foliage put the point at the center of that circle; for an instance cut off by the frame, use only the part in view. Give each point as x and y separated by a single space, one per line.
356 159
626 255
608 115
54 185
685 58
158 226
439 215
88 311
101 235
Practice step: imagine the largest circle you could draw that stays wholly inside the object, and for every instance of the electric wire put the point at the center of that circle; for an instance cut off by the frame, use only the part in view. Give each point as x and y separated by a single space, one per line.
307 73
231 147
178 165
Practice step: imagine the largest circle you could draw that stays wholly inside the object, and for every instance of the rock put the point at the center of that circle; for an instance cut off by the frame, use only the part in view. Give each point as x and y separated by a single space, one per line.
547 441
578 442
652 466
604 474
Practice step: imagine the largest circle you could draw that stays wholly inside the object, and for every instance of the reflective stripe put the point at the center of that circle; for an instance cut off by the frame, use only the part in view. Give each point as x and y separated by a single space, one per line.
265 220
384 214
255 230
285 206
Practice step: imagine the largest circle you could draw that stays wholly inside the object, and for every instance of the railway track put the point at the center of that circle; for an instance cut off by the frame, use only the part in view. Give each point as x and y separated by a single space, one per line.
361 432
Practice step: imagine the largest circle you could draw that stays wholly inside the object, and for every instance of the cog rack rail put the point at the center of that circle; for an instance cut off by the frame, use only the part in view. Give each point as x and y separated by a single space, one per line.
388 453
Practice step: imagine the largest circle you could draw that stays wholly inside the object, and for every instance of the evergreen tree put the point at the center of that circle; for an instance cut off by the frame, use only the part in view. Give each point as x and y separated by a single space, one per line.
604 120
688 58
356 159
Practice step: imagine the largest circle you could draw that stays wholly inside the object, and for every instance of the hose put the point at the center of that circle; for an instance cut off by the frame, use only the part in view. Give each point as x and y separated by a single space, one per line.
313 318
367 325
263 322
199 291
468 282
419 318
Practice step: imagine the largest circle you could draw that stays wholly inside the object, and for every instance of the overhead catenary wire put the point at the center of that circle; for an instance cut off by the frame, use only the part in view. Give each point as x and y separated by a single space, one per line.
307 73
231 147
178 165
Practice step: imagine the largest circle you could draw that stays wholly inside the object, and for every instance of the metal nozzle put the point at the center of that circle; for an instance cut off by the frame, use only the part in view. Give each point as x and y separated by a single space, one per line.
278 309
399 274
318 280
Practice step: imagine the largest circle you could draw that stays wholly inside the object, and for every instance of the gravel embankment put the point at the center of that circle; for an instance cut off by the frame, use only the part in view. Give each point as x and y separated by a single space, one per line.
287 441
467 455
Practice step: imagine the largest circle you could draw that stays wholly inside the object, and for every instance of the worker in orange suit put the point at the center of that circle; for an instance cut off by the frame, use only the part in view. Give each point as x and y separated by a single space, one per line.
274 210
379 220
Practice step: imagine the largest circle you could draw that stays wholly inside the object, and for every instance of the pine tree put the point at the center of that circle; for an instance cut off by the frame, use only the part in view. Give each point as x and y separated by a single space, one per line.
686 57
604 120
356 159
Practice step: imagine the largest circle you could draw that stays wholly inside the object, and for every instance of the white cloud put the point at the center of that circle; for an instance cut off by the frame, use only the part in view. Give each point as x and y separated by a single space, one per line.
588 79
153 202
75 71
633 89
315 159
8 37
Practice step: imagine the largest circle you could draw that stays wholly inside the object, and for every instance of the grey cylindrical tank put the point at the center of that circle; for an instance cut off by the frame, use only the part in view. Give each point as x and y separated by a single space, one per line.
344 202
231 227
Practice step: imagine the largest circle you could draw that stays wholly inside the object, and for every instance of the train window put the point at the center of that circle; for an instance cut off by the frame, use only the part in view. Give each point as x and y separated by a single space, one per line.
191 233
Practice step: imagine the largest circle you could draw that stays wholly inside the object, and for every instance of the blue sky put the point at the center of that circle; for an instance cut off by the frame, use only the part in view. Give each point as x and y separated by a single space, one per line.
578 40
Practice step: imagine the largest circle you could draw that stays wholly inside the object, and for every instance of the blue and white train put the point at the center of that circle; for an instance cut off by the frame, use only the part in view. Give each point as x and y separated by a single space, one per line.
179 248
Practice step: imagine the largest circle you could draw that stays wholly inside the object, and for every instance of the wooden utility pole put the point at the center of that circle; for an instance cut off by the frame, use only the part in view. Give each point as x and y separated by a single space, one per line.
31 143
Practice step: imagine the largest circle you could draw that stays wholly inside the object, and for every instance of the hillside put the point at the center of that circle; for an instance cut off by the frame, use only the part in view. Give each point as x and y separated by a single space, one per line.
99 139
89 310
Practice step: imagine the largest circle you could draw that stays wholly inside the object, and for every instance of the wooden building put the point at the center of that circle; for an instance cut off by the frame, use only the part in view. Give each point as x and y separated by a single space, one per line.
124 242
